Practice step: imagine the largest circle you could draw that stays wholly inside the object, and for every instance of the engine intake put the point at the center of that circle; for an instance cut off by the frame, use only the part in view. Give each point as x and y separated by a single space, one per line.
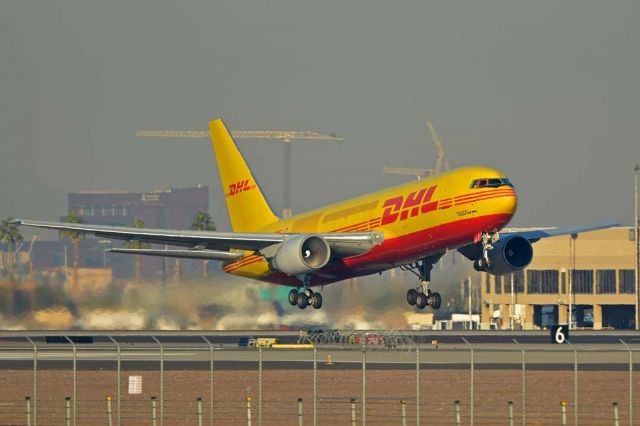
301 254
509 255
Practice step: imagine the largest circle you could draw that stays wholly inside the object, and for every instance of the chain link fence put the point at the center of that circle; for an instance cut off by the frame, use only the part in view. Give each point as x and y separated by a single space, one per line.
354 379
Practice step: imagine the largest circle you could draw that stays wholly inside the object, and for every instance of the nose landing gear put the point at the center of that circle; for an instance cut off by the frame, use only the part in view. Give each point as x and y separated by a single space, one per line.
483 263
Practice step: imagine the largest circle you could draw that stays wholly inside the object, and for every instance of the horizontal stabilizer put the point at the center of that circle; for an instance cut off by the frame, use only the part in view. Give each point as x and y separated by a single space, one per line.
190 254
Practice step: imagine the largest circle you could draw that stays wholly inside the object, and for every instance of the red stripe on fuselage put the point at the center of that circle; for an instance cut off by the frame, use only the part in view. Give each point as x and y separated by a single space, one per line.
242 262
483 193
488 197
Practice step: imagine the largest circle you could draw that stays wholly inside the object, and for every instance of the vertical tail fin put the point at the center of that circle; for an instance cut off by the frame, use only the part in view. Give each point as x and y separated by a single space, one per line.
248 209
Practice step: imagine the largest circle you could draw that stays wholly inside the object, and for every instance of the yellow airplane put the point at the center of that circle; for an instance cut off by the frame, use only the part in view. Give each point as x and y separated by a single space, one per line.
410 226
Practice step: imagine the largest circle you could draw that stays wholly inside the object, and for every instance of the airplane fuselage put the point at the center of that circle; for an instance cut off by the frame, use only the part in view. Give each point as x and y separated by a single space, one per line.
418 219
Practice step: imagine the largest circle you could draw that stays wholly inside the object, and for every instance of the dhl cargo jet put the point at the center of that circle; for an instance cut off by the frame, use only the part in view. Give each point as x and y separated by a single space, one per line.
409 226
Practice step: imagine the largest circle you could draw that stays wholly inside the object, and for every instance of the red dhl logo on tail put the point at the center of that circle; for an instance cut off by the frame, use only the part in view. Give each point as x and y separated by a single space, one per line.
415 203
238 187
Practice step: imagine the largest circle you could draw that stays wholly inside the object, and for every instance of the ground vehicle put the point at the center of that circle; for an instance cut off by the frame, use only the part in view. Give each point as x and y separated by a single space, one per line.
255 342
266 342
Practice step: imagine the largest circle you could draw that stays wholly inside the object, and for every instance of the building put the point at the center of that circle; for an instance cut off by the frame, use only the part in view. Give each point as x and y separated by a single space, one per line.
172 208
592 272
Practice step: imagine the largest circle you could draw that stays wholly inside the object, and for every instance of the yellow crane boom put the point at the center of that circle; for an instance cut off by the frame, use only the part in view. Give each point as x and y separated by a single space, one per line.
285 136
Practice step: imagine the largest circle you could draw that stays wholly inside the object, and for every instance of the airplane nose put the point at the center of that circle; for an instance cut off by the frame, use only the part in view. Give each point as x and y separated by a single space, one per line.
510 204
505 201
505 207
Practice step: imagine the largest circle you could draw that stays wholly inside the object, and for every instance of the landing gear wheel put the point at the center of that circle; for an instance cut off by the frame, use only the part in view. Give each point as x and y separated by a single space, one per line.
421 300
293 297
435 301
316 300
480 264
303 300
411 296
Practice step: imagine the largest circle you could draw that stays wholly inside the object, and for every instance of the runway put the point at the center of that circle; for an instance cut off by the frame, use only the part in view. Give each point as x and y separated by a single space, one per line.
447 337
184 350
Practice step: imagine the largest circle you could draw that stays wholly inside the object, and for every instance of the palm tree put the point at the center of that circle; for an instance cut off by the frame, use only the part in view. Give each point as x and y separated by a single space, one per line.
135 244
10 234
202 222
75 237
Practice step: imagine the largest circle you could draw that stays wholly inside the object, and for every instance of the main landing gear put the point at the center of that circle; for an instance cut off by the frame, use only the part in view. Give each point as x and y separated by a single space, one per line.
422 296
306 297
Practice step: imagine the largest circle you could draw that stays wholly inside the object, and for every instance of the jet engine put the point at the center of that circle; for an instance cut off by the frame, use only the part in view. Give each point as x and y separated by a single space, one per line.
508 255
301 254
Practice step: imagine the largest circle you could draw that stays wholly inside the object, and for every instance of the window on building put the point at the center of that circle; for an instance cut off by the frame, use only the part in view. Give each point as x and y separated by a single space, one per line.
606 282
518 281
627 280
119 211
487 280
582 281
542 281
497 282
534 281
563 282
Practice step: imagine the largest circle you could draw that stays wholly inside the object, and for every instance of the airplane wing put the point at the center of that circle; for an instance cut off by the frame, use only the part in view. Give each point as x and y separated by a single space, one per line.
534 235
207 244
473 251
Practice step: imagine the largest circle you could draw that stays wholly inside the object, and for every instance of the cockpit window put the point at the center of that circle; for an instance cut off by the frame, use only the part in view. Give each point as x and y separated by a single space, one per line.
491 183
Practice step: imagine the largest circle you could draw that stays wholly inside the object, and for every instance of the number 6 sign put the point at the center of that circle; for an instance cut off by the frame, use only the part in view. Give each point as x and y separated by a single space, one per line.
559 333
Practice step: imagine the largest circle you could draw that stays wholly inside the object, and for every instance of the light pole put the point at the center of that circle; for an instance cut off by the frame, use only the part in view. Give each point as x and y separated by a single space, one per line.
636 167
104 244
512 308
572 255
470 311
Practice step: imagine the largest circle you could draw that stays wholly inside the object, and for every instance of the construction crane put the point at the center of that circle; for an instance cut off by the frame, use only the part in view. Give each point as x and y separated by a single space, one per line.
285 136
441 162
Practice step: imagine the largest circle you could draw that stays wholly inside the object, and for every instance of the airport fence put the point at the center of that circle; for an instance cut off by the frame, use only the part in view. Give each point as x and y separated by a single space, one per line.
158 380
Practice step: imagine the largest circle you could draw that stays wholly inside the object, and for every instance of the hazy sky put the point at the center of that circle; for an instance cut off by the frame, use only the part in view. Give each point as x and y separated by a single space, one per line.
546 91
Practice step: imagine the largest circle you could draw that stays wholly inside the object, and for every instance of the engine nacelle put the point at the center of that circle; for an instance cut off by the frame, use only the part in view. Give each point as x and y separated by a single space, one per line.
301 254
508 255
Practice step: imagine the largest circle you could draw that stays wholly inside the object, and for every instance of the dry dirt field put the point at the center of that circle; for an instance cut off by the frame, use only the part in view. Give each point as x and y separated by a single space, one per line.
281 389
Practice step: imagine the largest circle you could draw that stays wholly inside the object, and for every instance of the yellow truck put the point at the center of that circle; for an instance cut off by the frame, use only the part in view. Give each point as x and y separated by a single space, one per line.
266 342
258 342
